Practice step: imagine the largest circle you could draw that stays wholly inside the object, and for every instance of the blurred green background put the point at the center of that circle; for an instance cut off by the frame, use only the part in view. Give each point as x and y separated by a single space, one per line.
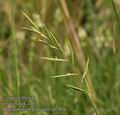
98 30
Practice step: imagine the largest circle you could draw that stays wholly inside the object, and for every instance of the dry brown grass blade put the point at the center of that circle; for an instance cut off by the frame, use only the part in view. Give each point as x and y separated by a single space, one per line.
76 45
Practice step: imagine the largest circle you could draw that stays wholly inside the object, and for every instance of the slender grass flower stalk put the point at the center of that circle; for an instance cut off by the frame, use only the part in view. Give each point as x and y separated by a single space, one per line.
47 38
14 43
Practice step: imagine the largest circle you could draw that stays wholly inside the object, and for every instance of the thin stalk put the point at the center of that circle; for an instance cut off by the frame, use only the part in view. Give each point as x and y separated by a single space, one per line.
94 105
87 93
14 43
84 80
76 44
116 13
91 98
31 55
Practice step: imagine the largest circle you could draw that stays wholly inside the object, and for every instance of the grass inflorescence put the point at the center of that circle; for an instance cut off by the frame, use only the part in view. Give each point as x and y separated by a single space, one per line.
47 38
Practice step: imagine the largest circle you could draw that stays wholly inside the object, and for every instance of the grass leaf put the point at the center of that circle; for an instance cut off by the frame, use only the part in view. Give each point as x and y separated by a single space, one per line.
54 59
46 43
32 29
30 20
64 75
56 42
76 88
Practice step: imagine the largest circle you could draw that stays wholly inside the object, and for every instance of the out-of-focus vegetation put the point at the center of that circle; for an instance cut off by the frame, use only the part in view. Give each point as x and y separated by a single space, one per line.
24 70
